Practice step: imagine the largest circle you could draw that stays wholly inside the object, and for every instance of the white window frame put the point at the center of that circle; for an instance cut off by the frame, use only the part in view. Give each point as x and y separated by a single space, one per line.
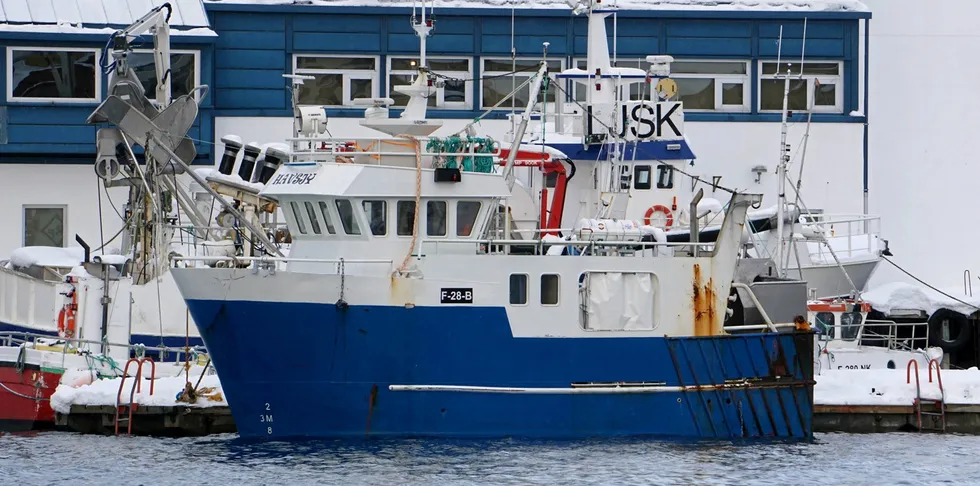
837 80
197 70
64 221
348 74
720 80
576 60
506 104
10 75
527 289
440 94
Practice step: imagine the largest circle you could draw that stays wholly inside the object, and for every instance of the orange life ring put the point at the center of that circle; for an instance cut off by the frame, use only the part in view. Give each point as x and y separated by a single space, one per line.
661 209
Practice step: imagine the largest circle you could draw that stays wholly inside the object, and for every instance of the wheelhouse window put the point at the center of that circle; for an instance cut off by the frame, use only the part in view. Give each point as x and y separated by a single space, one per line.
377 215
850 325
347 217
298 216
466 214
641 177
327 219
63 75
518 289
183 72
314 222
405 219
44 226
550 284
337 79
500 77
825 323
813 85
435 218
452 86
665 176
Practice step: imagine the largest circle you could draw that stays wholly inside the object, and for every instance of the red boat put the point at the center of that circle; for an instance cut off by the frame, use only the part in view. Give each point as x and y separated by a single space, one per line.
25 392
29 375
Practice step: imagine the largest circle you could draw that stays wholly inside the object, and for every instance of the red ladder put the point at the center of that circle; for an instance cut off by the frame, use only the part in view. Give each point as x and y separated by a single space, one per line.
132 391
937 408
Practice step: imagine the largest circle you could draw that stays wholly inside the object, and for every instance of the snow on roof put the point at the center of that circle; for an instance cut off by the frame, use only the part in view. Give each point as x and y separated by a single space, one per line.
94 16
47 256
763 5
900 295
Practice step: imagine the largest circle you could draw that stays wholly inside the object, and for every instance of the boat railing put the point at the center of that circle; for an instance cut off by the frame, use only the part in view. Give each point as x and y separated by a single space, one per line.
332 149
278 262
849 234
594 247
915 337
28 301
21 338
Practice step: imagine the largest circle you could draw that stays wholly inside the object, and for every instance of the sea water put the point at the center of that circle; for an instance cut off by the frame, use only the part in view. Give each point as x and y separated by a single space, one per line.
830 459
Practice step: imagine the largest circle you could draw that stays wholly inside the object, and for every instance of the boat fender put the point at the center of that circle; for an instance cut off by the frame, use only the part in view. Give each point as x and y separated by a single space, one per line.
662 209
957 321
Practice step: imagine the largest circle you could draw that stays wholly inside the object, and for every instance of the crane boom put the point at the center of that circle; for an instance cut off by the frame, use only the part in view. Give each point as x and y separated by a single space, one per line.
155 23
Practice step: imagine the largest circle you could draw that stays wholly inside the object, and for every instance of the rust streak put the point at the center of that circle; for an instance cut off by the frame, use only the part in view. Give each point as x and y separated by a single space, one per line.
704 305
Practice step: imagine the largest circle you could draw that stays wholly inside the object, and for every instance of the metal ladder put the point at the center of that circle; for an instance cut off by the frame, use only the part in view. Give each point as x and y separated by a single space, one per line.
937 407
128 408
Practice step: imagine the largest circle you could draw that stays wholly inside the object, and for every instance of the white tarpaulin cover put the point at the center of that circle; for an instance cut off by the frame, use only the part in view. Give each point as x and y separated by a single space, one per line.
616 301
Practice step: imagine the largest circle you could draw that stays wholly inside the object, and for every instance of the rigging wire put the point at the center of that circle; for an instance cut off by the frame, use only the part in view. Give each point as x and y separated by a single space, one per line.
917 279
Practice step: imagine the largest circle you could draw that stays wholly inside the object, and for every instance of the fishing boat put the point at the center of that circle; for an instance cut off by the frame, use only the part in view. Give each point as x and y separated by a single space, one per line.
69 309
434 317
847 339
647 175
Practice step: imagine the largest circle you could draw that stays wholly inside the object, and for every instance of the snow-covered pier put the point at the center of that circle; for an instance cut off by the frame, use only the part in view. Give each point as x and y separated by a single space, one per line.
893 400
169 406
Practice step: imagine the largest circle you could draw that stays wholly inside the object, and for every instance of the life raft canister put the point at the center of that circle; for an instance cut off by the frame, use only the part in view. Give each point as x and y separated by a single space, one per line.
661 209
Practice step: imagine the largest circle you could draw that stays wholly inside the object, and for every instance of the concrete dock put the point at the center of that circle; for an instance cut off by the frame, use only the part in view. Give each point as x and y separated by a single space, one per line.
173 421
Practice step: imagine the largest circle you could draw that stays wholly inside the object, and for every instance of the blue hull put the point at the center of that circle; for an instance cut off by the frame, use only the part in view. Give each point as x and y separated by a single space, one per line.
313 370
175 342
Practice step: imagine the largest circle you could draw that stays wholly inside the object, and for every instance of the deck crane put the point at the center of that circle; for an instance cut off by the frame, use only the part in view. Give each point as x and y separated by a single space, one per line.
159 126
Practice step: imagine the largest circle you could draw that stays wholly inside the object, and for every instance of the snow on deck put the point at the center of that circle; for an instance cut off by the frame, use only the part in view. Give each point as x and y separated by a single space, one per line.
761 5
900 295
888 387
104 392
47 256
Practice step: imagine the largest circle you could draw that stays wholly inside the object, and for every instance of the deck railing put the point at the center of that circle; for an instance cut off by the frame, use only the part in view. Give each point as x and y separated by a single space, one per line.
859 230
19 338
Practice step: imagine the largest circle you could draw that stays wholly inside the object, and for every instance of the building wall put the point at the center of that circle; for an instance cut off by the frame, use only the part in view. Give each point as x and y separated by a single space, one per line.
72 186
52 132
256 46
924 106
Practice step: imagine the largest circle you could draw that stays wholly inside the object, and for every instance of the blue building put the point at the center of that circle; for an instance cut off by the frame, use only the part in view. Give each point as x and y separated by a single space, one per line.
725 65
